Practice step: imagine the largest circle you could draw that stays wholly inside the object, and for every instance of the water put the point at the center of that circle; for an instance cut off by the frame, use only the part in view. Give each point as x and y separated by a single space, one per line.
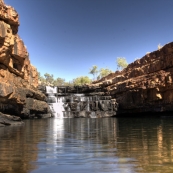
107 145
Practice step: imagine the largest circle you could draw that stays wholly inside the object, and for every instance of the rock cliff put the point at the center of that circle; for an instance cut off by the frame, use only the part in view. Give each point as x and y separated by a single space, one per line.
18 78
145 85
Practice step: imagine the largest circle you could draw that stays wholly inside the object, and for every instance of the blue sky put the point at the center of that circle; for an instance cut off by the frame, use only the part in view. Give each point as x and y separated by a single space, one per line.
67 37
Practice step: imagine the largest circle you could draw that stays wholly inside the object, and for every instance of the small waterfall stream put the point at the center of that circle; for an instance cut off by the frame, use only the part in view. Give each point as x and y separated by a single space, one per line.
55 104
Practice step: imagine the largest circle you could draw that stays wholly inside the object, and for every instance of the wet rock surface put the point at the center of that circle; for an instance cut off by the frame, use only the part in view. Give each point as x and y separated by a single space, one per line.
89 106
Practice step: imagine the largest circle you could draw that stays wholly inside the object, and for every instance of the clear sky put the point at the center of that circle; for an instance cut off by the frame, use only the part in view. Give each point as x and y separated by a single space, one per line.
67 37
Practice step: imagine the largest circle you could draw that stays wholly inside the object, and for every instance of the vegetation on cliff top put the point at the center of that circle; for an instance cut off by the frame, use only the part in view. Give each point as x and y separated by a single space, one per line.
48 79
121 63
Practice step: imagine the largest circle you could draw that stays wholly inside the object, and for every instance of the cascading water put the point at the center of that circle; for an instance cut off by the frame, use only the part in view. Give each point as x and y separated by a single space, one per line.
60 108
64 104
55 104
50 89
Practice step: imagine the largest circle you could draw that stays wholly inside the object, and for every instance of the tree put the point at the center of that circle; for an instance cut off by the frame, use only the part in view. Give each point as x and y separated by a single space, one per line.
159 46
81 80
39 75
94 71
104 72
49 79
59 82
41 79
121 63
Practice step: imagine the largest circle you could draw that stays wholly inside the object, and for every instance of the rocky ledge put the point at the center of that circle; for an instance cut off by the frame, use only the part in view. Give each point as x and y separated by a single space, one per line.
6 120
143 86
18 78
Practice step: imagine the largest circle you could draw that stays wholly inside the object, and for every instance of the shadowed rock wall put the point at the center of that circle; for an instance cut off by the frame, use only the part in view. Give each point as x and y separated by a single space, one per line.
145 85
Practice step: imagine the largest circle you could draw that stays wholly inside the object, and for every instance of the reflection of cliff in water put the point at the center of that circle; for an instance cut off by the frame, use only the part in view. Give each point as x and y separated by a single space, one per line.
121 144
18 146
145 143
149 141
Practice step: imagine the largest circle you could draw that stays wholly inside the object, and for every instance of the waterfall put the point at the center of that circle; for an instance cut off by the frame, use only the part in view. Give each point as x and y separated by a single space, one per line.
65 103
50 89
60 108
55 104
56 107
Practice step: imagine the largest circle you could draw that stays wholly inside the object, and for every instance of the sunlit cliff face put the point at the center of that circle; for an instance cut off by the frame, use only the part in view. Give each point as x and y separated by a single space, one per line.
1 2
13 52
14 13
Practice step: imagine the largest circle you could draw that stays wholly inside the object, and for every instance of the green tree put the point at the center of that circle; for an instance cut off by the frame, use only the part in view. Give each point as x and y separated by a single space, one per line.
104 72
59 82
121 63
94 71
49 78
81 80
39 75
41 79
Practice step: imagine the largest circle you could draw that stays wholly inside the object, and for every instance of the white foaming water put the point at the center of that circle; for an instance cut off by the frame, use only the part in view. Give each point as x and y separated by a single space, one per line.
60 108
79 95
57 108
50 89
55 104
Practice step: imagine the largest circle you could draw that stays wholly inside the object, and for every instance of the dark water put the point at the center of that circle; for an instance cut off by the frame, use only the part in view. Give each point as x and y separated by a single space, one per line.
122 145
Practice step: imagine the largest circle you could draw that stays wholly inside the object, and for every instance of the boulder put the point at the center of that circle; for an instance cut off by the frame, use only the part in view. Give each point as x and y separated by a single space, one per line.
6 120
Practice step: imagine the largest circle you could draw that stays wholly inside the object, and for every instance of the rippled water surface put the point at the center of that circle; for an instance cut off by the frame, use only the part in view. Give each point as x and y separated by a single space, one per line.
122 145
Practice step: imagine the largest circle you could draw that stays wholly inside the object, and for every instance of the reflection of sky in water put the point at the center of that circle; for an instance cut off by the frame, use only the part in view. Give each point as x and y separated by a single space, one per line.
78 151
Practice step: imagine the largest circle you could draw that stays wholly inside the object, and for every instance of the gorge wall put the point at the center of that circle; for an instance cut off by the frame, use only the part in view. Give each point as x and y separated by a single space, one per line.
145 85
18 78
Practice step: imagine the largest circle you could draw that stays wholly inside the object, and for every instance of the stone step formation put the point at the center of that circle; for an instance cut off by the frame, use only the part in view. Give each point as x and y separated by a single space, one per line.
74 102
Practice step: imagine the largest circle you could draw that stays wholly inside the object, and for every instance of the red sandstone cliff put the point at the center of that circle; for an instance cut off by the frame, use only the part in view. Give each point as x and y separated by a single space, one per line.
145 85
18 78
13 52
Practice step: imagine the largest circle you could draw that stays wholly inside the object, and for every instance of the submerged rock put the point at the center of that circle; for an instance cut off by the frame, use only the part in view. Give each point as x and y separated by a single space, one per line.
6 120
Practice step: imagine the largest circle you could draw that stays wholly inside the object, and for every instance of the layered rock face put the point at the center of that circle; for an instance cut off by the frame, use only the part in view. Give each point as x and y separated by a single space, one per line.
145 85
18 78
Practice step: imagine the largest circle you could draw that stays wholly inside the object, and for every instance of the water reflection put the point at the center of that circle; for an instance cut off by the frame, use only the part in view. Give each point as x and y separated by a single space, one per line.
88 145
17 148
